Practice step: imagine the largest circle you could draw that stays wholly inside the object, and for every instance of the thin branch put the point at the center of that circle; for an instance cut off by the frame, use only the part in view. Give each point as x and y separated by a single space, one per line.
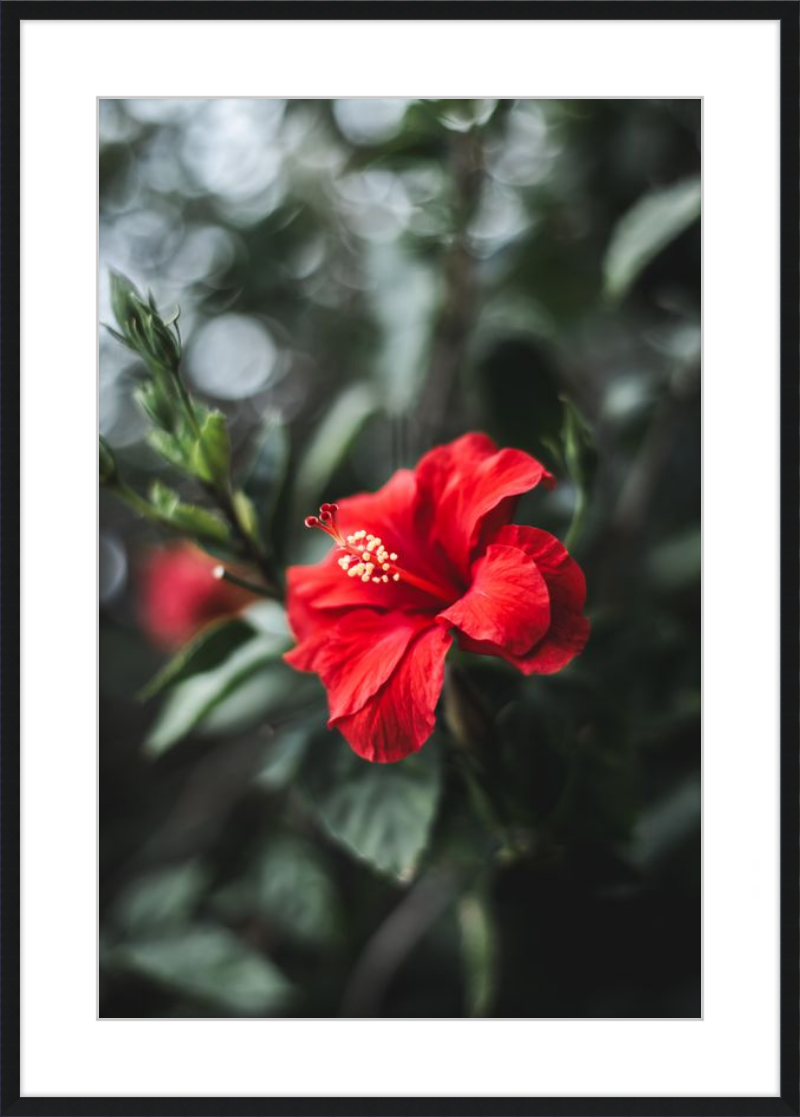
394 940
451 332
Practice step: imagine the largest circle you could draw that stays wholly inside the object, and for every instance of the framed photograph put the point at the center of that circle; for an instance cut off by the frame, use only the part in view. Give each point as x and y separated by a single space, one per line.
408 707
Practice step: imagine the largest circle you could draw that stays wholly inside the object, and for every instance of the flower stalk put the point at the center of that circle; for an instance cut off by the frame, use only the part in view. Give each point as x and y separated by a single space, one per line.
222 574
467 731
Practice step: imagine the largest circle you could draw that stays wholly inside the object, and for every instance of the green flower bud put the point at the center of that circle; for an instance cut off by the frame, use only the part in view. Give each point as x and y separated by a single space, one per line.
141 326
126 301
165 347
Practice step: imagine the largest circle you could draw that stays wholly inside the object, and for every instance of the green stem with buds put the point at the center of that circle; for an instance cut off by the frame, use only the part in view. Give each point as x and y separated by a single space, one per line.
199 449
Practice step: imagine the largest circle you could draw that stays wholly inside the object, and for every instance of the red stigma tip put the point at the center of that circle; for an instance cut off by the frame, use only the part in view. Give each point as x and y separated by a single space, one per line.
325 517
311 521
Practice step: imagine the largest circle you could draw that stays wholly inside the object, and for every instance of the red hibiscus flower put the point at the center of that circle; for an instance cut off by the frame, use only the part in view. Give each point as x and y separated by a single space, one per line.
429 555
180 594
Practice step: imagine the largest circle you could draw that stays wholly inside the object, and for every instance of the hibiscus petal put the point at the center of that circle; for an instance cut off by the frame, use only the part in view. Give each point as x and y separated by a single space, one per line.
316 593
387 513
564 577
507 603
356 653
400 717
460 484
566 639
569 629
302 583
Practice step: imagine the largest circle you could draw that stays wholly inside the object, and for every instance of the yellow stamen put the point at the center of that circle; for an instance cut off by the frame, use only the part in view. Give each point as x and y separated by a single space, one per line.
365 553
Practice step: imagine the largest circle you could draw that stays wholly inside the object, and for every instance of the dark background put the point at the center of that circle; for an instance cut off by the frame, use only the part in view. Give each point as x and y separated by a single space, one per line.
373 277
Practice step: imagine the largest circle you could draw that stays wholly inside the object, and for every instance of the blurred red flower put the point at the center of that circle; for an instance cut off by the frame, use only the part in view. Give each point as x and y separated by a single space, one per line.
430 553
179 594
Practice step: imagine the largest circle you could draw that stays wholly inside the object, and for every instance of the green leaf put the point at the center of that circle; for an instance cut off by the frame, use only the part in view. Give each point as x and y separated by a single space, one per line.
382 813
208 649
580 457
115 334
158 407
163 498
675 564
478 953
579 452
265 475
647 228
460 838
285 755
163 898
287 882
200 522
211 454
196 697
273 691
108 463
268 618
168 447
246 514
211 964
187 518
666 824
330 444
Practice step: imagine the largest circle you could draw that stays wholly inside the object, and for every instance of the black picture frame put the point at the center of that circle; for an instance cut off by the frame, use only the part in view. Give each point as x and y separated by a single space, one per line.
12 1104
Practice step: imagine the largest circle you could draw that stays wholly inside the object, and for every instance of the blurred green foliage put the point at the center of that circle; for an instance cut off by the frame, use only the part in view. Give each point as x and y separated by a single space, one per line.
358 280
